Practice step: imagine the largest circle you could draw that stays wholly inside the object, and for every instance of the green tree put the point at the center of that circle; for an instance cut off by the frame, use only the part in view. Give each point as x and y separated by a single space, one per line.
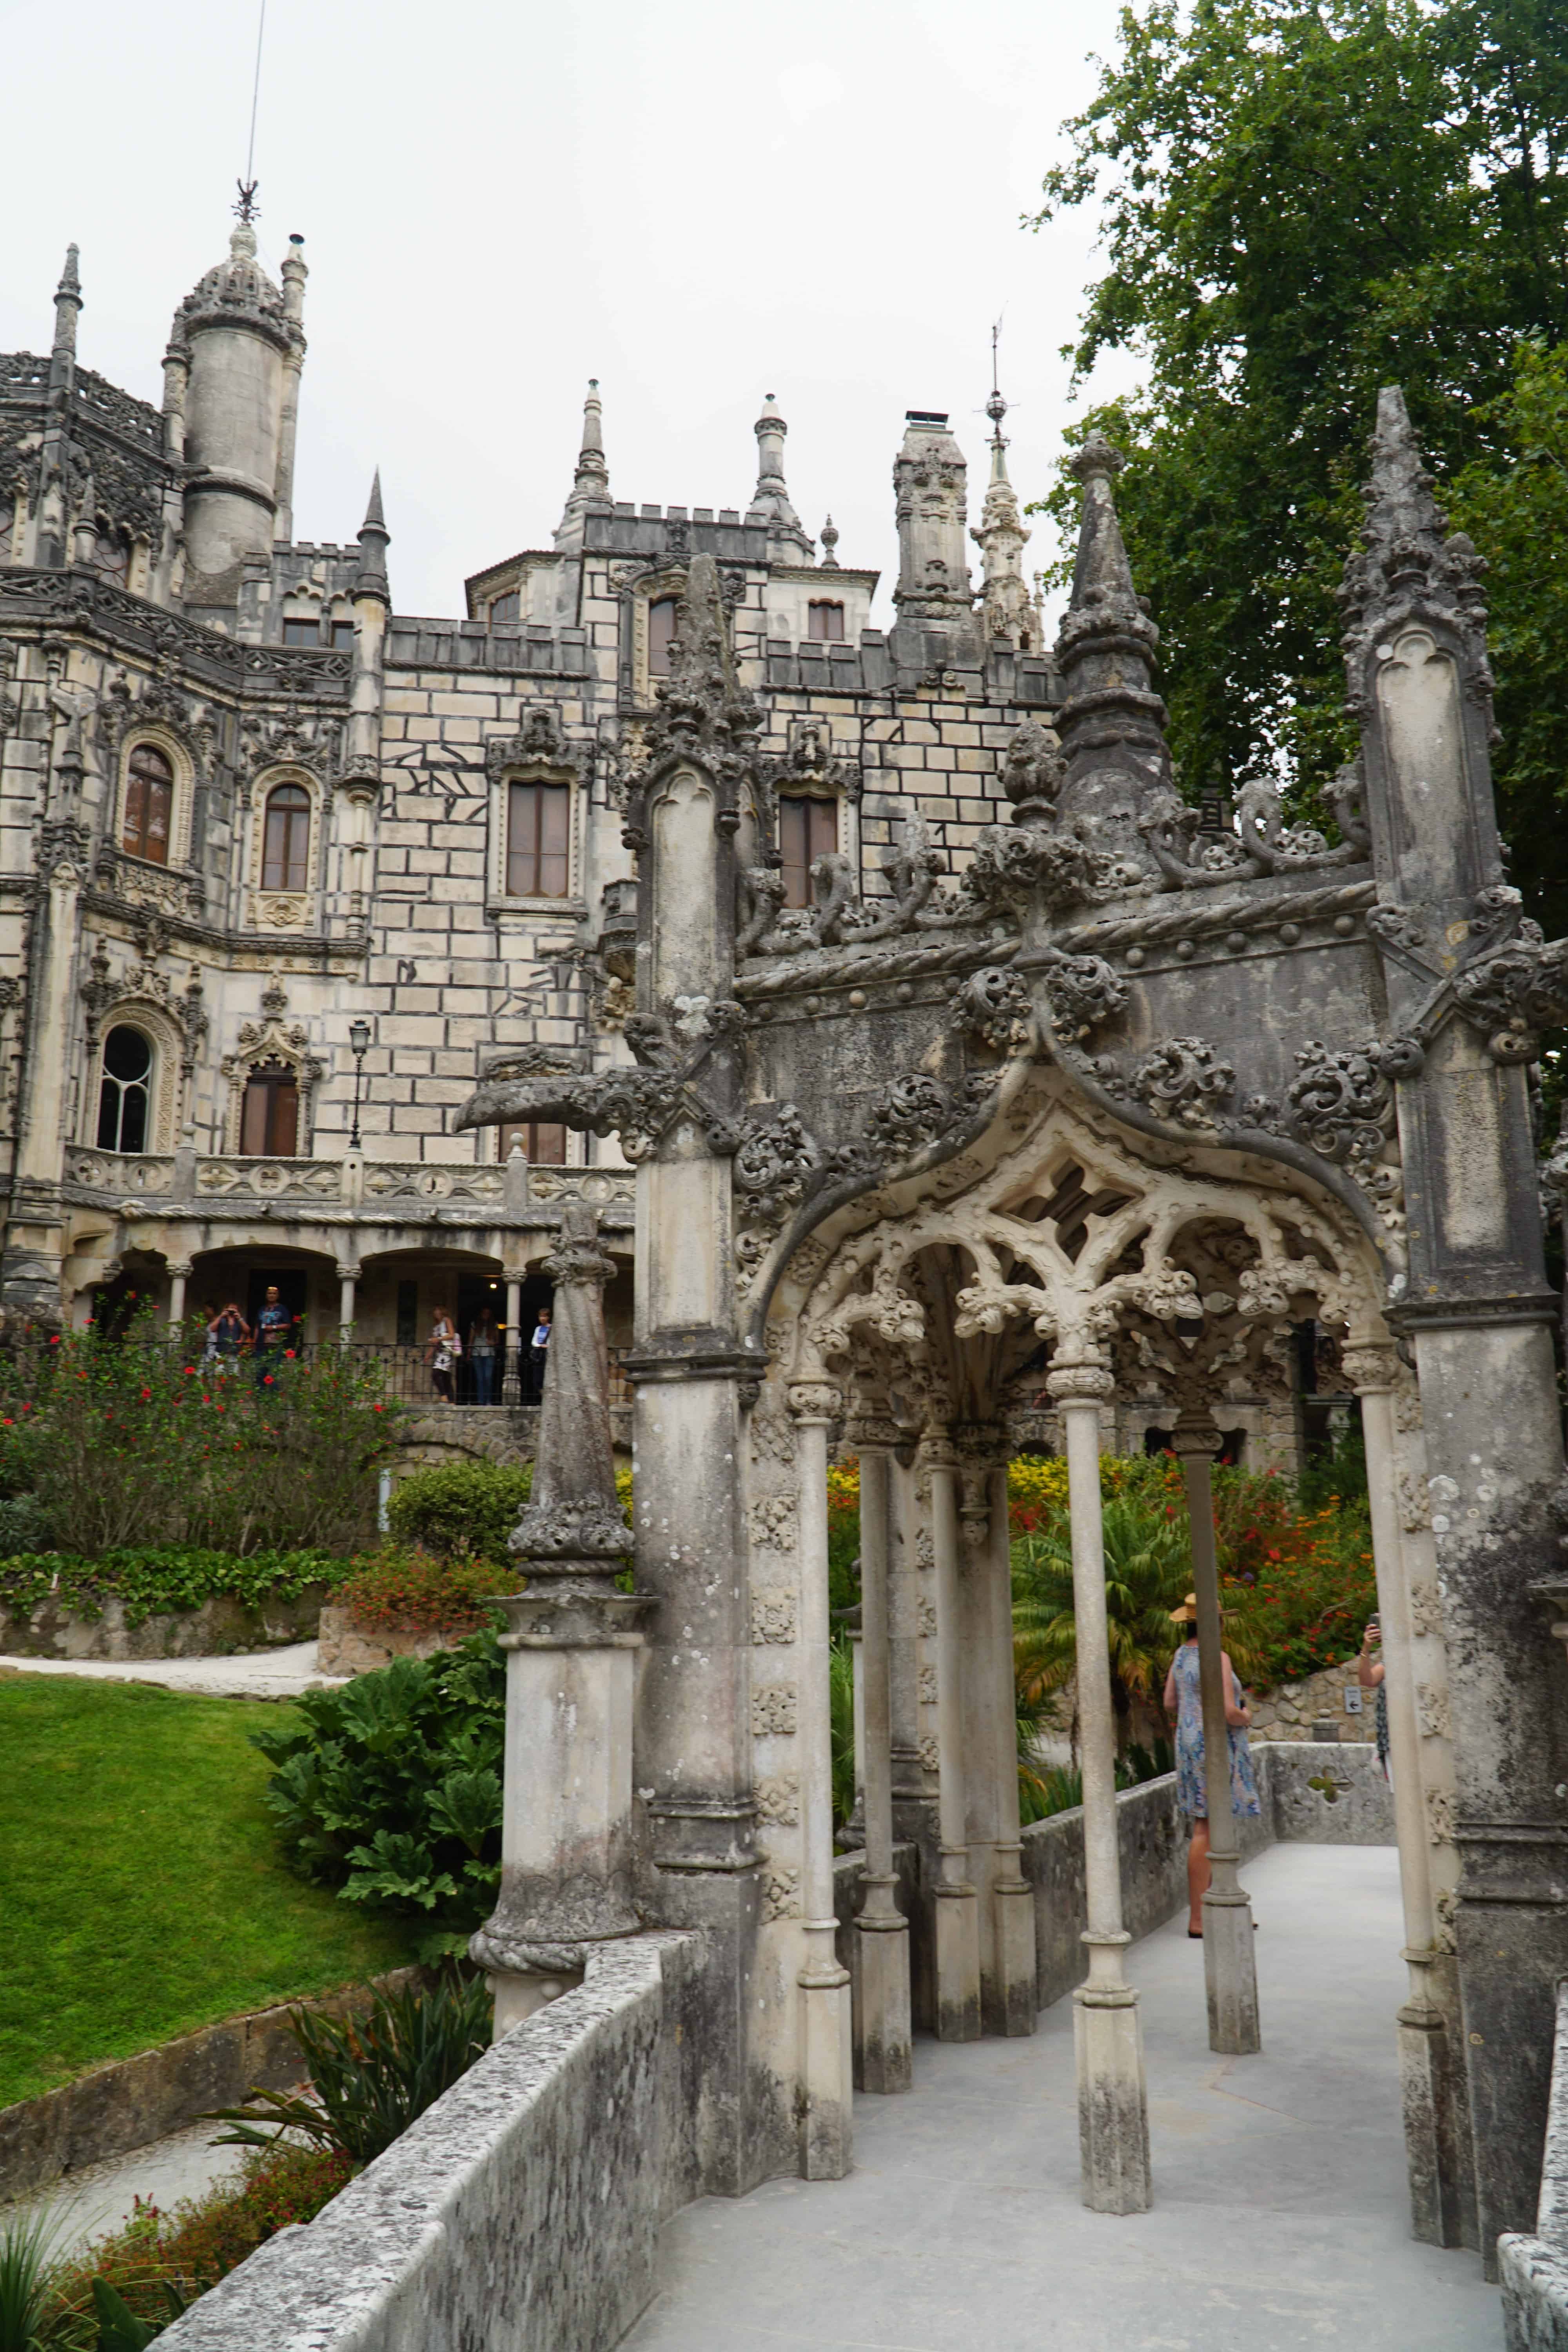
1148 1570
1298 204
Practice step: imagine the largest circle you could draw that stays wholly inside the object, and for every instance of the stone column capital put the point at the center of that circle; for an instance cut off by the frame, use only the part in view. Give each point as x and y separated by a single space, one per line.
816 1401
1084 1381
348 1272
872 1432
1372 1367
1196 1434
179 1269
981 1443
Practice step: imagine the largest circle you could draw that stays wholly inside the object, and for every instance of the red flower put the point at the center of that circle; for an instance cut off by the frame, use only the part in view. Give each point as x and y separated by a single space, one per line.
55 1339
288 1352
145 1394
190 1371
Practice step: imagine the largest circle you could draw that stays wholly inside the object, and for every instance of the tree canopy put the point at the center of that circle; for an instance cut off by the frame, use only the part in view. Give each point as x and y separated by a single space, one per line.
1298 204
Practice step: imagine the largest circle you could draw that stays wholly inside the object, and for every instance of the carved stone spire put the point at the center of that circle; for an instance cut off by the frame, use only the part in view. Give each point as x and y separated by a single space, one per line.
573 1526
770 499
1111 721
930 483
702 709
590 491
370 575
67 307
1409 563
1009 615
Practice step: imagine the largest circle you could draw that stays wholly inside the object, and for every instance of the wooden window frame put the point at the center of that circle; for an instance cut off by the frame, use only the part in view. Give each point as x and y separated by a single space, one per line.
816 808
136 783
295 818
515 866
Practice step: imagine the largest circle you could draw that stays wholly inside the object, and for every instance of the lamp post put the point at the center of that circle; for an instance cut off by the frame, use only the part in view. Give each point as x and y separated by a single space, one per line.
359 1046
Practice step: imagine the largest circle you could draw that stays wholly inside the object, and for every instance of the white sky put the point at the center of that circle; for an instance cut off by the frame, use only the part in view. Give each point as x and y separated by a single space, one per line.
695 202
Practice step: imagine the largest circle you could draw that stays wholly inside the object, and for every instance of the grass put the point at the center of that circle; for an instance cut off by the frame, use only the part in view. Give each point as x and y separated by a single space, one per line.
144 1892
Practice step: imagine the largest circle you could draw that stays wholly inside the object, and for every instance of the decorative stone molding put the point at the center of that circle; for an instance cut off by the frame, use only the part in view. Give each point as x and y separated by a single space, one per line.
773 1710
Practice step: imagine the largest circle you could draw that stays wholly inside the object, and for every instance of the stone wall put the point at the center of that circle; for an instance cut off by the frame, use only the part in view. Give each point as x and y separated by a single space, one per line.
217 1628
1533 2271
1293 1709
519 2214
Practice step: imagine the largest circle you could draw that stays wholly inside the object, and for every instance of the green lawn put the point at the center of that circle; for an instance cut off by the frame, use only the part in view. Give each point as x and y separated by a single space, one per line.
142 1892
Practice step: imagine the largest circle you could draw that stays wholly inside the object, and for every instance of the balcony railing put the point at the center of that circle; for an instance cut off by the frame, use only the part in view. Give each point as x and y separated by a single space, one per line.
398 1370
382 1185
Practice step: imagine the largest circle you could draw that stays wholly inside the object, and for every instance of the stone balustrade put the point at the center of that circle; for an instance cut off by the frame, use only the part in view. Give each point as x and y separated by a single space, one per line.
375 1188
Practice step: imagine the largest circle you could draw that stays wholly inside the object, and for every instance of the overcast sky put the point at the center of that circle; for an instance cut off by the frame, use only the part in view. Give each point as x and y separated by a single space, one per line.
698 203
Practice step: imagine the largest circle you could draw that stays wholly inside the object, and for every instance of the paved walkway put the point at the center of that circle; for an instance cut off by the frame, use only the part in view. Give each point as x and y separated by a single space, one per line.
1280 2220
253 1673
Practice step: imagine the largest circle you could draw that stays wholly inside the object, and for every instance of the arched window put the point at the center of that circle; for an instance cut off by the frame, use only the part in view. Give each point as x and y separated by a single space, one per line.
662 614
539 841
807 829
124 1091
286 843
824 623
149 804
269 1116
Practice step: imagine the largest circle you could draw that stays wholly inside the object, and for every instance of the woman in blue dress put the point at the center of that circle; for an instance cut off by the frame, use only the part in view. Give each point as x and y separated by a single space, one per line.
1184 1699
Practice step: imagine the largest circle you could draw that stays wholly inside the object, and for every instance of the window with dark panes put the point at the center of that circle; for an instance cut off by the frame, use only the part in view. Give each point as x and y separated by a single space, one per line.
505 609
269 1117
824 623
543 1143
662 616
302 633
343 633
285 842
124 1091
149 804
538 841
807 830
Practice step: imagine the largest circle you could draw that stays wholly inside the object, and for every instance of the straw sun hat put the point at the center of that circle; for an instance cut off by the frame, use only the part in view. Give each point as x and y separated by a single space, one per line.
1187 1613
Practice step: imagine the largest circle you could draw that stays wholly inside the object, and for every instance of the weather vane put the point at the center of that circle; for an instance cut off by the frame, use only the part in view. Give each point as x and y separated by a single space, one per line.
248 208
996 407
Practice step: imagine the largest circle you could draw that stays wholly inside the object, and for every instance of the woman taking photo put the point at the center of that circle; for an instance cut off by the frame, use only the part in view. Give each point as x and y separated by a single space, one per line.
1184 1699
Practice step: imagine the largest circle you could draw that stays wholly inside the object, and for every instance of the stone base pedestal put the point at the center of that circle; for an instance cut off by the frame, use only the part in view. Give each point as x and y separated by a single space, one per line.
517 1996
1431 2093
826 2070
1112 2111
1230 1974
884 2058
1017 1980
957 1910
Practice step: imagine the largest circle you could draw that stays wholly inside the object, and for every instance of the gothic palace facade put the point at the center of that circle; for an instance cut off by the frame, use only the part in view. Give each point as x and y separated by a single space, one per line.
252 816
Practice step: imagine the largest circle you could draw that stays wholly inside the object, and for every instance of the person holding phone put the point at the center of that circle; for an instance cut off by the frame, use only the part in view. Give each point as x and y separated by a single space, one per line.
1371 1673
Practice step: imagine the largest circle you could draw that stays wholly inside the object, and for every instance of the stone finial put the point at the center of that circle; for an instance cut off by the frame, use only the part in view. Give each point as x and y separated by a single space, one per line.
770 504
590 491
573 1526
1409 559
370 575
67 294
294 273
1010 618
829 545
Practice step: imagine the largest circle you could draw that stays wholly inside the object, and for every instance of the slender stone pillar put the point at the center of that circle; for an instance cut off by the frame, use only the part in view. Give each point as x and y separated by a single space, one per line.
348 1276
884 2058
1012 1896
1112 2104
1427 2060
826 2088
957 1906
180 1273
977 1443
911 1644
1230 1963
566 1842
511 1369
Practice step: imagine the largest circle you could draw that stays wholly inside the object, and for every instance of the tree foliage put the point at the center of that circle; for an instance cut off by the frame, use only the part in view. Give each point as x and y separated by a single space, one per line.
1298 204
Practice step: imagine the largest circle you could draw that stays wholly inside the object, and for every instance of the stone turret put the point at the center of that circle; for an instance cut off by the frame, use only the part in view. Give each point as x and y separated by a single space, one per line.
931 484
590 491
53 533
238 341
1010 614
770 499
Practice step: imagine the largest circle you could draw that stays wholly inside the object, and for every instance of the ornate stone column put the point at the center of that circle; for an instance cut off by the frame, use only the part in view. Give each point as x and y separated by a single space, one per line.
911 1643
1230 1964
566 1842
511 1367
180 1272
1113 2105
1012 1896
348 1276
884 2056
1427 2060
957 1906
825 2089
974 1443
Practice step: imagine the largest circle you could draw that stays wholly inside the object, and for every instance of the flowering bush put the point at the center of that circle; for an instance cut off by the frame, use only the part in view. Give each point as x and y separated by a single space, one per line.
135 1440
404 1592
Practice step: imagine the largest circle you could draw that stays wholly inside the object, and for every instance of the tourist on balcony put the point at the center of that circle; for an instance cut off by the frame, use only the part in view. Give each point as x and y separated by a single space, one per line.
538 1347
442 1352
483 1341
1184 1699
227 1333
273 1325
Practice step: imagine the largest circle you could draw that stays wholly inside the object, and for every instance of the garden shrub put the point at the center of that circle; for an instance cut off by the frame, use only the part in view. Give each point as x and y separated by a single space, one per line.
23 1527
134 1439
460 1507
399 1591
389 1789
154 1581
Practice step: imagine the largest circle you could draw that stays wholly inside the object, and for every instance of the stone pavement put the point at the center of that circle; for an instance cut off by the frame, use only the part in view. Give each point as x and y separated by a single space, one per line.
252 1673
101 2198
1280 2222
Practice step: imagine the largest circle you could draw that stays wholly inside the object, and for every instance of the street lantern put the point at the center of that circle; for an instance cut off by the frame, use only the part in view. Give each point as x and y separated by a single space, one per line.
359 1046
